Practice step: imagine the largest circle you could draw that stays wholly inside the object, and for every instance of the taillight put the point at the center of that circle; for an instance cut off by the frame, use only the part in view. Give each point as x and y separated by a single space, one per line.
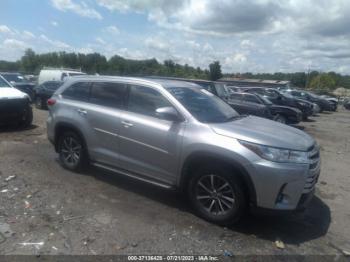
51 102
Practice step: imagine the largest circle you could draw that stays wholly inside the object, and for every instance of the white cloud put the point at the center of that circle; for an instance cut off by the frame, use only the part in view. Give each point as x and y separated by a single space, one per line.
14 44
54 23
54 43
28 35
5 29
100 41
112 29
157 44
81 9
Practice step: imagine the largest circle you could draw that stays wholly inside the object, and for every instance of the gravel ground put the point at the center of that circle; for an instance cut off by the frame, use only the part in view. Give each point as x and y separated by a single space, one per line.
45 209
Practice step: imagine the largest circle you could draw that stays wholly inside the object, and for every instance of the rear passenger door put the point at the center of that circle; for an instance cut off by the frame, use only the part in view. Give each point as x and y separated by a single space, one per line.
106 102
149 145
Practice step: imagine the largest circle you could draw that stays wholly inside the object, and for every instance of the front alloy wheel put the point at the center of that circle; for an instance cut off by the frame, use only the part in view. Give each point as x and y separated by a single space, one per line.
71 151
217 195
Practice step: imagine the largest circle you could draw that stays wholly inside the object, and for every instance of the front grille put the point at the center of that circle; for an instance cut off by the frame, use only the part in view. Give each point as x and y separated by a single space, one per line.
314 167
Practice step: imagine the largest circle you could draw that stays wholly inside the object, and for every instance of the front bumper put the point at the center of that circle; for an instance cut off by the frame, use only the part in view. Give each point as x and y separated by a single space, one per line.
285 187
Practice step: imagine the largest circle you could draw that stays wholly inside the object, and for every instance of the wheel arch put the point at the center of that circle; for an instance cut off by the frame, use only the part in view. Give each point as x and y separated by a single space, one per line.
64 126
198 158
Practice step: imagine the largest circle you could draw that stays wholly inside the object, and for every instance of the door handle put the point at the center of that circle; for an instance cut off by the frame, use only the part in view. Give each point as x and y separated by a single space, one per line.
127 124
82 112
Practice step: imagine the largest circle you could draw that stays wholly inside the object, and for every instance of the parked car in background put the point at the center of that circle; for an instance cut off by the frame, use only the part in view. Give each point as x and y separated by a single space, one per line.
217 88
18 81
15 106
175 135
31 78
44 91
332 100
282 99
321 102
249 104
346 104
244 103
57 74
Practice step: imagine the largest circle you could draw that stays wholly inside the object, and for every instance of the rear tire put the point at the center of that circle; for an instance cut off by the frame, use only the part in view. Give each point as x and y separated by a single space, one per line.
72 151
217 195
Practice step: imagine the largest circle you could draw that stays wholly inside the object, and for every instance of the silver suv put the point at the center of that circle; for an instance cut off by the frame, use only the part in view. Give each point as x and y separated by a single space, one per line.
175 135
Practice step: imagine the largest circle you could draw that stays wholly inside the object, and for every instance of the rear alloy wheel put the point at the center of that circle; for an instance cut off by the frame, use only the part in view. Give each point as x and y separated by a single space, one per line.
217 196
280 119
71 151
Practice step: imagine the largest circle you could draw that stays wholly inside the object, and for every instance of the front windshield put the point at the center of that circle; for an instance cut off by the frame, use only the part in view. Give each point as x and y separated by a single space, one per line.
204 106
3 83
17 78
221 90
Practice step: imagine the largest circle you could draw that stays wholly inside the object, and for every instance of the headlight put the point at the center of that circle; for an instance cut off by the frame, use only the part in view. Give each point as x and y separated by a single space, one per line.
302 104
277 154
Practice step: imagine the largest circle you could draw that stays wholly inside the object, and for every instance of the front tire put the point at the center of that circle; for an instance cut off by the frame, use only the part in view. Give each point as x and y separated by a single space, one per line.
217 195
280 119
27 117
72 152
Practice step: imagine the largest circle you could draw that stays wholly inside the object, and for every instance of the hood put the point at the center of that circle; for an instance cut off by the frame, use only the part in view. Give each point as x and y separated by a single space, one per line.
265 132
10 92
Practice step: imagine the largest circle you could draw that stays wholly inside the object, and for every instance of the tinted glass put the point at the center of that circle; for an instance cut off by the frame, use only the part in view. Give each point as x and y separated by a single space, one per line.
204 106
52 85
3 83
145 100
236 96
221 90
207 86
264 100
78 91
108 94
250 98
17 78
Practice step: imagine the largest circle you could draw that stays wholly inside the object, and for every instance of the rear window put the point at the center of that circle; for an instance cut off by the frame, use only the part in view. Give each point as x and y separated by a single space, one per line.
52 85
78 91
108 94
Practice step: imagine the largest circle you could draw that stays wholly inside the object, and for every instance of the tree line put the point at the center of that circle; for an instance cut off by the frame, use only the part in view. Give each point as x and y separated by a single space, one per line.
32 63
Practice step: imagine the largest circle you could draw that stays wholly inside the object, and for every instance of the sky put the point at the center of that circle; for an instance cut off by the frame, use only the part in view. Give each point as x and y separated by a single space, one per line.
244 35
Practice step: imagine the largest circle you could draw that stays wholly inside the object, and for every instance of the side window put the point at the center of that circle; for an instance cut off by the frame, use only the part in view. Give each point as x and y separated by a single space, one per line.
78 91
236 96
250 98
145 100
108 94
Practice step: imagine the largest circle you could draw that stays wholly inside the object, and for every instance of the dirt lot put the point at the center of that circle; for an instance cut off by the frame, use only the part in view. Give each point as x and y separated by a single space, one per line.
58 212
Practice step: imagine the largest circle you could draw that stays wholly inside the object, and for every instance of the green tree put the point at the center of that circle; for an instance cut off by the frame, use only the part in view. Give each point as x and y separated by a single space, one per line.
215 71
29 62
324 82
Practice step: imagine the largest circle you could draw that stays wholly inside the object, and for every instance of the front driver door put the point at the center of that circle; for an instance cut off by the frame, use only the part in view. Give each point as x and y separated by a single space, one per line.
149 146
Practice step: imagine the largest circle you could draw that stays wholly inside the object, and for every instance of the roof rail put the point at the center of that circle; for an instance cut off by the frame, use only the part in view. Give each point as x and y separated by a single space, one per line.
61 68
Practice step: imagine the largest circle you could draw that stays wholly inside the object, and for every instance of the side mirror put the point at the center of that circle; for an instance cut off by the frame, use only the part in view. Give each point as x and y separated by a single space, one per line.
168 113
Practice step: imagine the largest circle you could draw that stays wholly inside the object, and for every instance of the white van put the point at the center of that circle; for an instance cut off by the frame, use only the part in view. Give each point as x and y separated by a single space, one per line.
57 74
